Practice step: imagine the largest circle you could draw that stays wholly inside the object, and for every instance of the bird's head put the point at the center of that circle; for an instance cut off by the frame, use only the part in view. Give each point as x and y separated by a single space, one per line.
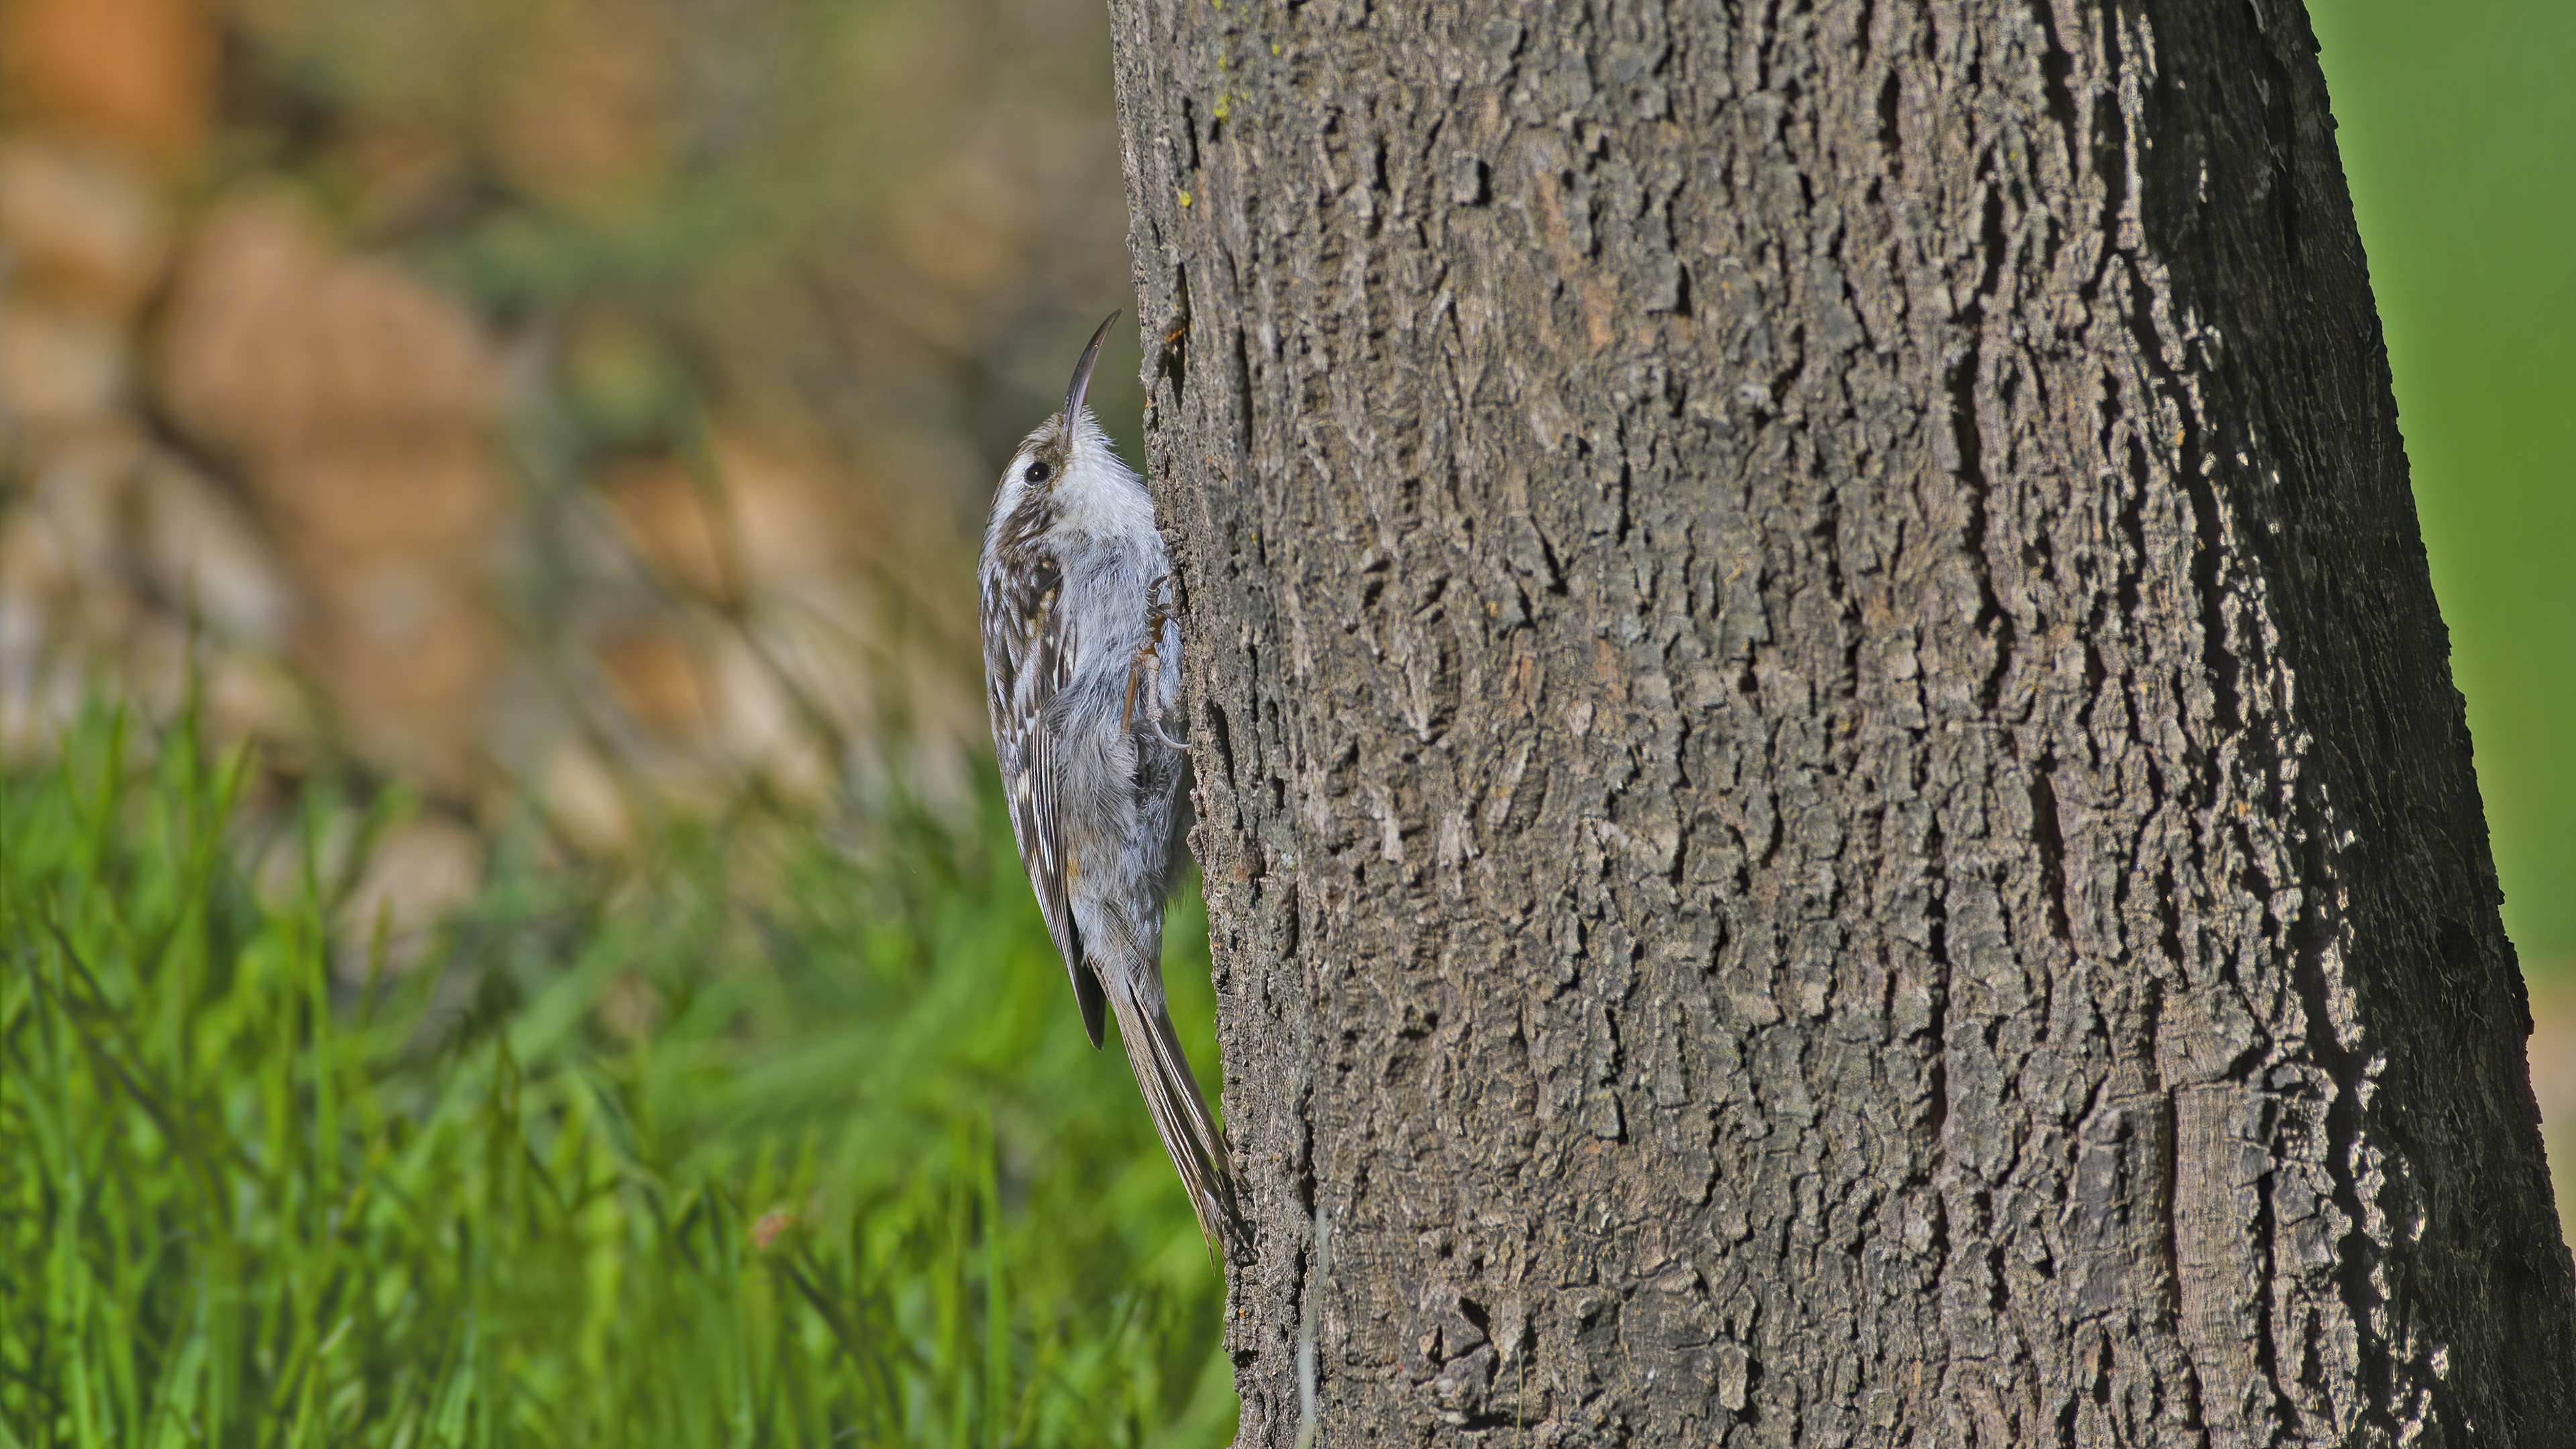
1065 457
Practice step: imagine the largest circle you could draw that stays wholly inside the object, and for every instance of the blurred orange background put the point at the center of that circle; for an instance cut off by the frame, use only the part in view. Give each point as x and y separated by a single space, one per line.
570 406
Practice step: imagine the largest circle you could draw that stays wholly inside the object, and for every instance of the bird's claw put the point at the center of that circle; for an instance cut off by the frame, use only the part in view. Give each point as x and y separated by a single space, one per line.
1149 660
1147 679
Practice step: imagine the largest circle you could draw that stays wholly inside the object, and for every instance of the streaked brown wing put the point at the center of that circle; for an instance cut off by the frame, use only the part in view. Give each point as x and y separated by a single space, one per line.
1028 660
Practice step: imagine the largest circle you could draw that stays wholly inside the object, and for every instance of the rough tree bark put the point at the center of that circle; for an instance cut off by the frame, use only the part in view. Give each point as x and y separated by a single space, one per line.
1833 808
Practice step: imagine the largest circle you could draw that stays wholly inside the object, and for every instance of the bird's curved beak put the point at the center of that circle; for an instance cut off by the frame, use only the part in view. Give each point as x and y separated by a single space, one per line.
1082 372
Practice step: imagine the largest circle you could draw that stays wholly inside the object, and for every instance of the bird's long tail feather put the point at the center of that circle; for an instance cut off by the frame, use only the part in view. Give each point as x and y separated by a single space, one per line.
1190 1135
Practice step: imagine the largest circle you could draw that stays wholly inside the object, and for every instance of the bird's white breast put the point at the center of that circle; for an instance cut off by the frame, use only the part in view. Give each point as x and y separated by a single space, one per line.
1098 495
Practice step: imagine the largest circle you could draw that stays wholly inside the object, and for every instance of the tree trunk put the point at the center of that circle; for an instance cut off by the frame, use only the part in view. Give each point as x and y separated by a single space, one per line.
1832 804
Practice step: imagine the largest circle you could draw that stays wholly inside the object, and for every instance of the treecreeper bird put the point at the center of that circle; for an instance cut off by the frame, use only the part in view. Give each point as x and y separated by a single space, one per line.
1082 674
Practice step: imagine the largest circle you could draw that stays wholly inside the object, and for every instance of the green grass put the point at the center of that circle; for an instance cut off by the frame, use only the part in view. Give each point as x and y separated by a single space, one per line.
245 1202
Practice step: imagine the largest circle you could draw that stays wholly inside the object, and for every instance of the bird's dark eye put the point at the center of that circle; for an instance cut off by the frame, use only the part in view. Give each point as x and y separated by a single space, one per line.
1038 471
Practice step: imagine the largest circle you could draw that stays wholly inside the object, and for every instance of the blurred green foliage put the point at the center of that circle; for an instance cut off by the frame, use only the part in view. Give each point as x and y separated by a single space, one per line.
786 1141
2458 132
